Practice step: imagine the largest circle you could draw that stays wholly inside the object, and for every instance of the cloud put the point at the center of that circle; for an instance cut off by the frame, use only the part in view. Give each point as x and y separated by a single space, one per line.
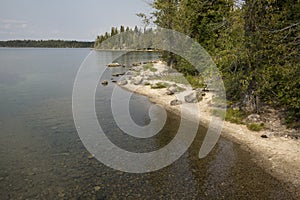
12 24
12 27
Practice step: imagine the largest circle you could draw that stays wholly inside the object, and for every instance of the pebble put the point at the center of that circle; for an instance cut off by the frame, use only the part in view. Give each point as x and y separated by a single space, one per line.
61 195
31 174
91 156
97 188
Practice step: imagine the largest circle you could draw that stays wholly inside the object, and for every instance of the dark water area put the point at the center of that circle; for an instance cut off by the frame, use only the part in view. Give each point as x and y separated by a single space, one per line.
42 156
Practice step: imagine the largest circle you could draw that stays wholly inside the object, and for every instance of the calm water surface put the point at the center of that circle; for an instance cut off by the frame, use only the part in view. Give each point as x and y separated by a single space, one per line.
42 156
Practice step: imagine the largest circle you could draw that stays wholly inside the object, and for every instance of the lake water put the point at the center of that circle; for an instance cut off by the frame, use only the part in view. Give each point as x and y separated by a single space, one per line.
42 156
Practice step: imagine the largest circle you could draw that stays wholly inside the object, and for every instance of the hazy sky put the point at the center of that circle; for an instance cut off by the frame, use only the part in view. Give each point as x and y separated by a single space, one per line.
66 19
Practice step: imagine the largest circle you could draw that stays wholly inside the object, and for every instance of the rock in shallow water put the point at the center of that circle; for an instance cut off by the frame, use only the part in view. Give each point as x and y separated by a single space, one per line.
113 65
105 82
122 82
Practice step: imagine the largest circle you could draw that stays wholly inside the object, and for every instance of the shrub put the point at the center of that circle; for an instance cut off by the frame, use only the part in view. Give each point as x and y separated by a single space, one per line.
195 81
255 127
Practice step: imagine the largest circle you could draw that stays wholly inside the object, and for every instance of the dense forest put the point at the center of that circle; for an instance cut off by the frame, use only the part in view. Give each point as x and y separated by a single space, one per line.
255 45
46 44
133 39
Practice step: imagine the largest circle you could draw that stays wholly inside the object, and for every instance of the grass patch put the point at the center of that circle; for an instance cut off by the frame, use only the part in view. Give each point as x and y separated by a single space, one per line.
195 81
150 67
291 122
237 116
159 85
218 101
233 116
175 79
255 127
219 113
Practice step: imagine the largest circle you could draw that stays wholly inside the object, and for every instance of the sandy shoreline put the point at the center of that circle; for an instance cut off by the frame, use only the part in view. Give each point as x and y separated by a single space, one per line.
278 156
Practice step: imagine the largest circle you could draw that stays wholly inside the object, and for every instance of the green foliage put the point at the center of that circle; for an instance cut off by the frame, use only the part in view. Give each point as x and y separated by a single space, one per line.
159 85
255 127
132 39
255 46
234 116
195 81
175 79
219 113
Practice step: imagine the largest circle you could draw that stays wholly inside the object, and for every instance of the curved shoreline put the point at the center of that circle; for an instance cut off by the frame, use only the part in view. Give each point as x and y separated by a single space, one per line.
278 156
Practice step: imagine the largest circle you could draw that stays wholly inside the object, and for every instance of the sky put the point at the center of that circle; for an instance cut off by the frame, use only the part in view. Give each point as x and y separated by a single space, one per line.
66 19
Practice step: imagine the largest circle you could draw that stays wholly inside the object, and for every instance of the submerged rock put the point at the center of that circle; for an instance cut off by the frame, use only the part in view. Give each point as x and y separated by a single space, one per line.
100 195
118 74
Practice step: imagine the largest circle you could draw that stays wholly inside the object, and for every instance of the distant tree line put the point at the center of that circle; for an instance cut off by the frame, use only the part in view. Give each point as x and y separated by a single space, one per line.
46 44
129 38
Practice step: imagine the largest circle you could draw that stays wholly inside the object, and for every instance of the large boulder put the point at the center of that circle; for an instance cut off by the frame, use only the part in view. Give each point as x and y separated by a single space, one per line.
137 80
129 73
175 102
194 97
171 90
